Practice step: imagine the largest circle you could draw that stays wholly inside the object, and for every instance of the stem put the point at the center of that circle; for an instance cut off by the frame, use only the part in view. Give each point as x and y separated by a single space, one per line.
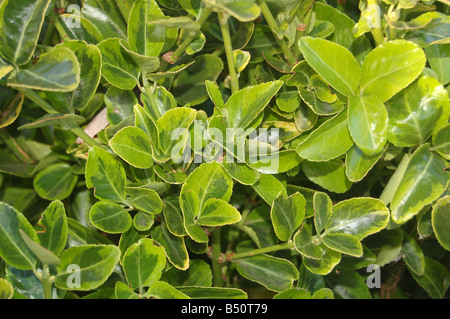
259 251
46 283
215 258
229 51
388 192
377 34
62 32
292 60
299 34
33 96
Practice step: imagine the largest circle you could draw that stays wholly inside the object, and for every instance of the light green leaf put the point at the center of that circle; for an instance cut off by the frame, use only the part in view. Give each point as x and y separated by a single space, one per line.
440 219
54 222
268 187
143 263
19 35
416 113
55 71
117 68
110 217
359 217
328 175
217 212
343 243
328 141
441 143
325 264
6 289
96 263
287 214
86 31
390 67
105 15
145 199
358 164
243 10
106 175
439 58
119 104
125 292
274 273
64 120
307 245
214 94
174 246
55 182
241 172
333 62
44 255
424 180
322 211
162 290
367 123
133 145
213 293
173 216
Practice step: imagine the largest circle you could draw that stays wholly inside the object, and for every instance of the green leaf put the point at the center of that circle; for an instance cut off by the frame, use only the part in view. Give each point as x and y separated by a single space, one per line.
119 104
106 16
96 263
435 279
390 67
243 10
143 263
11 111
133 145
307 245
276 274
106 175
143 222
333 62
214 94
173 216
358 164
56 229
328 141
44 255
125 292
55 71
174 247
198 274
117 68
359 217
145 199
189 84
435 29
415 114
438 56
322 211
441 143
268 187
328 175
162 290
367 123
86 31
343 243
412 255
424 180
89 57
20 34
287 214
440 219
110 217
348 284
217 212
213 293
58 119
6 289
147 64
325 264
174 121
245 105
56 182
293 293
241 172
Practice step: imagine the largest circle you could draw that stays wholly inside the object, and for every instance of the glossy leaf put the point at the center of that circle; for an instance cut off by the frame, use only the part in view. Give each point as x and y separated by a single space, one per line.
412 255
328 175
438 56
287 214
133 145
328 141
143 263
274 273
56 229
27 22
268 187
434 279
44 255
174 247
106 17
343 243
213 293
56 182
55 71
358 164
390 67
367 123
6 289
441 144
424 180
333 62
322 211
162 290
145 199
243 10
110 217
95 262
440 219
106 175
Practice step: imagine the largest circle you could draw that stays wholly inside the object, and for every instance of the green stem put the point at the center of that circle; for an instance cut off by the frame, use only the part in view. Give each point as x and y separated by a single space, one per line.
33 96
299 34
62 32
292 60
388 192
46 282
377 34
223 19
215 258
259 251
